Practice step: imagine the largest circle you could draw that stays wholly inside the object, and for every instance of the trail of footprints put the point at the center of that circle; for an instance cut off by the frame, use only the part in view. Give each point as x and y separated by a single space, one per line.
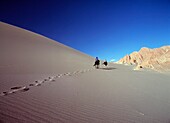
18 89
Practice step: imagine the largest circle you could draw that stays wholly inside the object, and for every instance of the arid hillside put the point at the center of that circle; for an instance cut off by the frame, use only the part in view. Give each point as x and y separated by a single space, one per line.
157 59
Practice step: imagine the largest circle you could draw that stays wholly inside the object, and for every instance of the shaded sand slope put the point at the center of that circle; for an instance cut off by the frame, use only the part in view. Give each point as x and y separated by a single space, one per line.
51 91
25 54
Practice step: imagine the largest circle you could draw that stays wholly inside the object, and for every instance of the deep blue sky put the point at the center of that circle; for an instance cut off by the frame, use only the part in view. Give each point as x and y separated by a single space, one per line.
108 29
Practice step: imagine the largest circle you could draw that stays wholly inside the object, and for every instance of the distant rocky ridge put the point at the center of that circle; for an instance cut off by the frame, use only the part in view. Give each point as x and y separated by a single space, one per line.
157 59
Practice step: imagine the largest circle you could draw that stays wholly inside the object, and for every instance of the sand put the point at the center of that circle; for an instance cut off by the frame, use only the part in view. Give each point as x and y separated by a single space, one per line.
43 81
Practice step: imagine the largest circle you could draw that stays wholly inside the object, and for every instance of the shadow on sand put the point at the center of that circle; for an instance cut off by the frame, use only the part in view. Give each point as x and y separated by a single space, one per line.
108 68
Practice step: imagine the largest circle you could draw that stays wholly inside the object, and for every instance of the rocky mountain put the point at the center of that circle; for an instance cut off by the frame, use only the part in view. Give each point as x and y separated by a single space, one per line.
157 59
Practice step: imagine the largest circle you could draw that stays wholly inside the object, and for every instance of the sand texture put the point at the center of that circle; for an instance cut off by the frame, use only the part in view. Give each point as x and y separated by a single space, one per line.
43 81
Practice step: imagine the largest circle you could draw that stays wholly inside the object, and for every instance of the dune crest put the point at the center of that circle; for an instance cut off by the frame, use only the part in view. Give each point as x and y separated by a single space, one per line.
157 59
23 51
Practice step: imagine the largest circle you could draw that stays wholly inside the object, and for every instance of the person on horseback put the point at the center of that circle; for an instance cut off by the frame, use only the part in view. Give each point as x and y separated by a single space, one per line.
97 63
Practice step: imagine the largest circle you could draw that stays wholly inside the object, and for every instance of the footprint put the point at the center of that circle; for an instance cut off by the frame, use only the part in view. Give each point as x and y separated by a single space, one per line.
31 84
38 84
68 74
76 72
4 93
16 87
22 89
45 80
50 78
36 81
25 89
60 75
53 80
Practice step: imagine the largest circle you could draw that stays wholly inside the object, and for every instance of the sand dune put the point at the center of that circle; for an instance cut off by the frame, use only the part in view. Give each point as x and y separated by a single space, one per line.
26 54
43 81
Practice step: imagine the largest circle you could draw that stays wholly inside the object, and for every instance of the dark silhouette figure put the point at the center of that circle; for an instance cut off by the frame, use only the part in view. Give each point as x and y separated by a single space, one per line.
97 63
105 63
